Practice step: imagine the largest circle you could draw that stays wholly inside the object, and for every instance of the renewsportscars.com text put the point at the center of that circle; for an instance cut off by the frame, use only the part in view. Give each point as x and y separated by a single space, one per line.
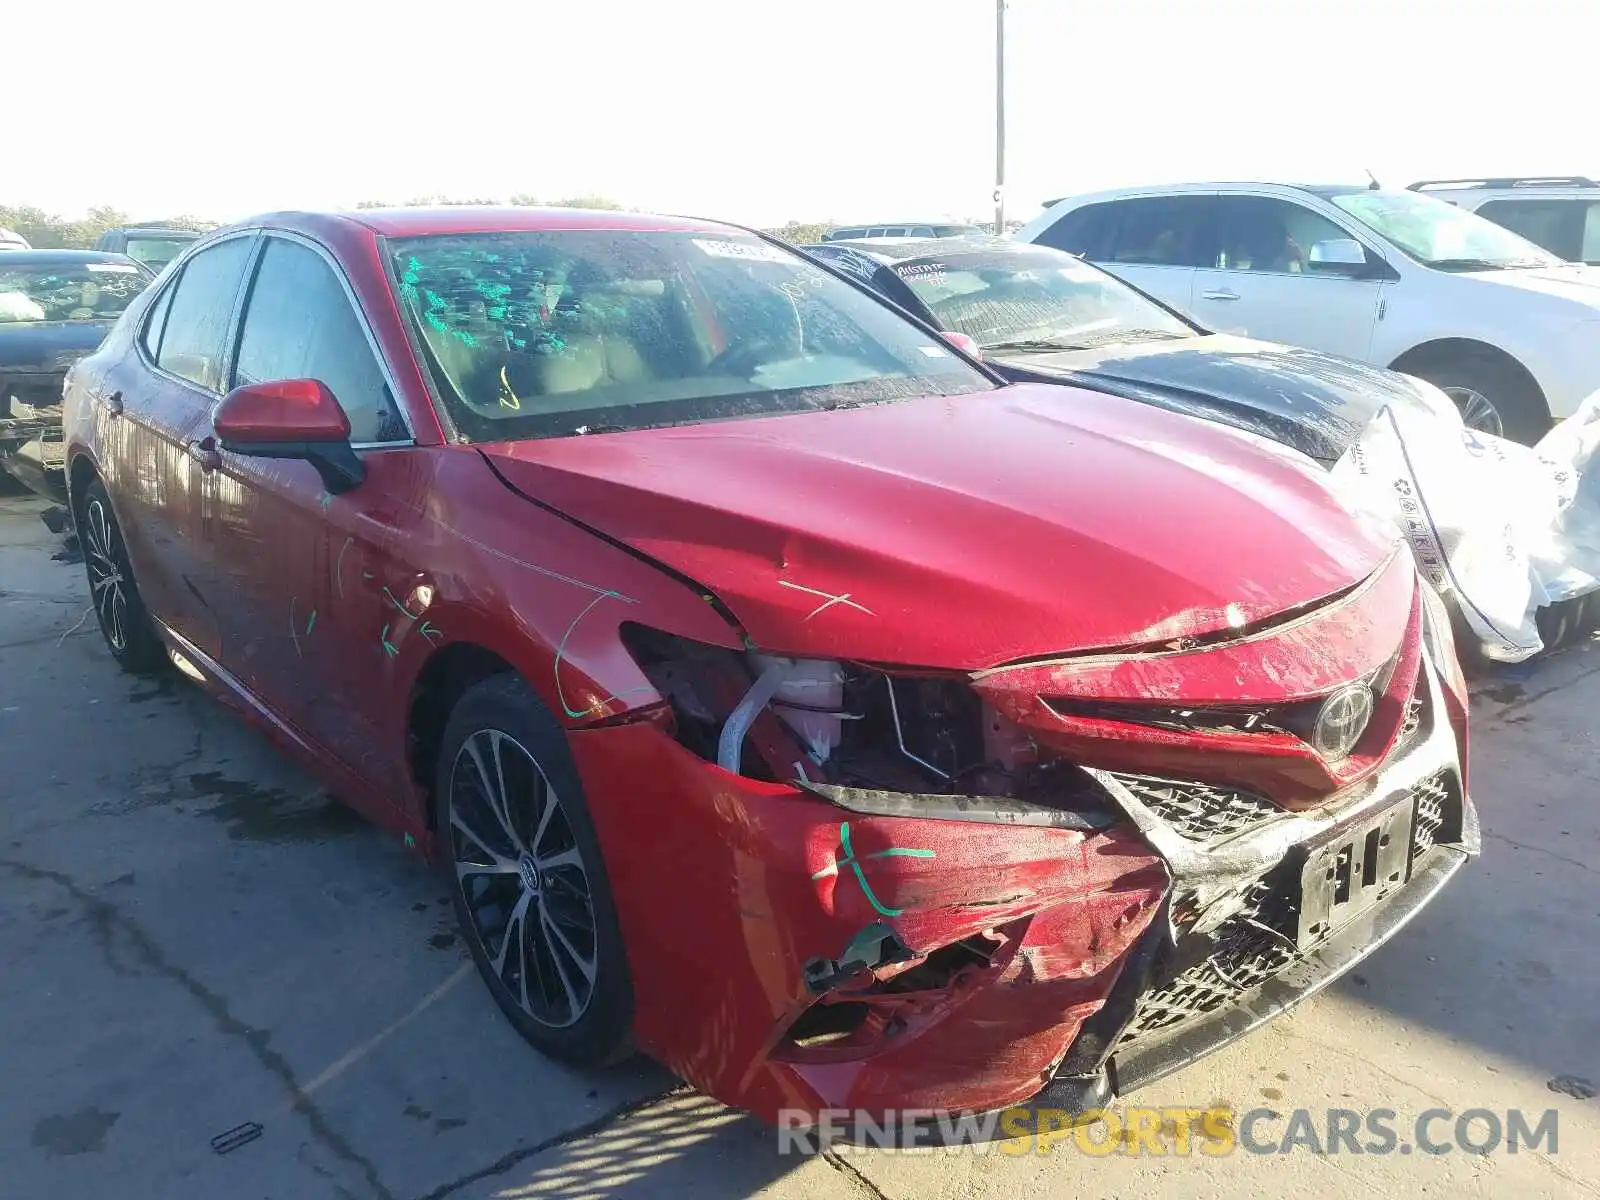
1212 1131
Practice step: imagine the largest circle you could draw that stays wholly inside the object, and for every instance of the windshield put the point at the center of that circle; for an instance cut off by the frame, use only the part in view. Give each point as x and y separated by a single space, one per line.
551 333
1438 234
1034 298
67 291
156 252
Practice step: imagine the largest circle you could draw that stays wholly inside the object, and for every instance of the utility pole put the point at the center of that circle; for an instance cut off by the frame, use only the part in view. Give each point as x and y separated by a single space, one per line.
999 117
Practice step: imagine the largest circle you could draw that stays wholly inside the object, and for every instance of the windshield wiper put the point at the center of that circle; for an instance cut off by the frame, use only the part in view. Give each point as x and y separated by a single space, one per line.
580 430
1032 344
1485 264
1100 338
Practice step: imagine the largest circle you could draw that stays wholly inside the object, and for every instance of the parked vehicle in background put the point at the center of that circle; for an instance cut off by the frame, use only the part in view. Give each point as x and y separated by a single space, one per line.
10 239
1559 212
914 229
1396 278
153 245
1041 315
629 566
55 307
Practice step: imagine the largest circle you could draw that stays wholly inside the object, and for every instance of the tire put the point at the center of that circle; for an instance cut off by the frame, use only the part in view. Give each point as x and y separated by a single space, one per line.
113 592
500 740
1494 395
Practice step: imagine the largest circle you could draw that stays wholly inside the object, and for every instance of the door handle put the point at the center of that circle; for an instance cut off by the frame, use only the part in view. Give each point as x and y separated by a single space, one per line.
1221 294
205 453
114 404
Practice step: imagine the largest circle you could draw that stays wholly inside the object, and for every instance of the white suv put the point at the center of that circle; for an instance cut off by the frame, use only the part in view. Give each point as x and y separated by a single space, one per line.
1559 212
1397 278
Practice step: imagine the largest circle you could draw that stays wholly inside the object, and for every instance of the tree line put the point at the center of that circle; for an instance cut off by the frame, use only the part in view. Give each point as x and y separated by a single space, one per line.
48 231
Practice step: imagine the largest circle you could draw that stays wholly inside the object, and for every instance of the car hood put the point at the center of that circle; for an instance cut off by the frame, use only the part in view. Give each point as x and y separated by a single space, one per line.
964 532
32 347
1318 403
1575 283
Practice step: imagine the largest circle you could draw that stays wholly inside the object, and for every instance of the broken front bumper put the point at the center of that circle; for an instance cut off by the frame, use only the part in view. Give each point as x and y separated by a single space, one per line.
788 954
31 446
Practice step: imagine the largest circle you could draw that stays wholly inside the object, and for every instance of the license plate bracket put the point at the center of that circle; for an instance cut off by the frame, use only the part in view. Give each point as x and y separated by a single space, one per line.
1352 869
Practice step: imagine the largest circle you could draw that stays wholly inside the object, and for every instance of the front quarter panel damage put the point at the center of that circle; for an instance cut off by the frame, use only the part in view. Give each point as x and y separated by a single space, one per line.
773 885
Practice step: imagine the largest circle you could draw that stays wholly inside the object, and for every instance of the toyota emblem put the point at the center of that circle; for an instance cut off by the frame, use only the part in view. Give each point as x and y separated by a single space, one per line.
1342 720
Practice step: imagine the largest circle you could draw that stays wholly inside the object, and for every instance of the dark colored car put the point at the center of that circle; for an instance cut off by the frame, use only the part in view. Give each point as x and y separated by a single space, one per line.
1042 315
153 245
55 307
780 691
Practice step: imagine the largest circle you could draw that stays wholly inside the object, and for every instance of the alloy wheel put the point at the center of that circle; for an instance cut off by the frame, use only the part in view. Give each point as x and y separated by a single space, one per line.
1477 411
523 879
106 582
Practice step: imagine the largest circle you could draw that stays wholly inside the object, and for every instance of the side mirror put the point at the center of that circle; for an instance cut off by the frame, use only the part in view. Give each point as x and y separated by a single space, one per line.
1338 256
290 418
963 343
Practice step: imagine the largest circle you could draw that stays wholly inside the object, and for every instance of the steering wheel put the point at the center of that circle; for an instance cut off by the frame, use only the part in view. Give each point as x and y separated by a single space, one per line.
743 358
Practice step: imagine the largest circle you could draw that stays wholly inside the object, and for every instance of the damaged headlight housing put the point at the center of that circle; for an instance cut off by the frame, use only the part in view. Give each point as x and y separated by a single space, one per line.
900 743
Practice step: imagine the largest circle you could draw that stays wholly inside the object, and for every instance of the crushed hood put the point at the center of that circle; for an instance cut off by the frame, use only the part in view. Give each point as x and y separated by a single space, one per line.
1318 403
964 532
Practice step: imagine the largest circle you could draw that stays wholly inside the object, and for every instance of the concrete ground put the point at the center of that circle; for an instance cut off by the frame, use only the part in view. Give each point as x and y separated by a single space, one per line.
192 938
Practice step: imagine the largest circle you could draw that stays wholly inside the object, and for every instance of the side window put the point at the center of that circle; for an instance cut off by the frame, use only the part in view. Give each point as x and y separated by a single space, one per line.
1589 252
924 231
299 324
1081 231
1162 231
1262 234
194 334
1557 225
156 321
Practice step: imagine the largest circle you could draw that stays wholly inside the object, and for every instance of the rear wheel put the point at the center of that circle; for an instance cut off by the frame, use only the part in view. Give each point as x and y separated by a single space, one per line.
529 885
1494 396
113 592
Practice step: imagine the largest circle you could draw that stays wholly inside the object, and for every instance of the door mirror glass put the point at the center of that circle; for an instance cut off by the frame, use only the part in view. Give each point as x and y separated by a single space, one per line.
1342 256
290 418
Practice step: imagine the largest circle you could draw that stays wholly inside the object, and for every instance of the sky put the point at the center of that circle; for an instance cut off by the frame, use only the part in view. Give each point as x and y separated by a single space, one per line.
770 110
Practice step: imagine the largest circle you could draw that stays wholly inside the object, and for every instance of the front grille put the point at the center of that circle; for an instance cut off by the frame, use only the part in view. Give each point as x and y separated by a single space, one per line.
1197 811
1258 941
1246 950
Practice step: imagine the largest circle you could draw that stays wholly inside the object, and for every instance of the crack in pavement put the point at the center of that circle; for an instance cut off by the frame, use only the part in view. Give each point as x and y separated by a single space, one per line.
850 1172
576 1134
106 918
1571 862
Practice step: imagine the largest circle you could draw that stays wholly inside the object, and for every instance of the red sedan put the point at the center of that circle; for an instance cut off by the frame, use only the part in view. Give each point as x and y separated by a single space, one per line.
782 693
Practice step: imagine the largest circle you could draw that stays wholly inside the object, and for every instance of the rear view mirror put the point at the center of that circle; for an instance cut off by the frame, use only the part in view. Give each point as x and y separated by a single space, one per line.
1338 256
290 418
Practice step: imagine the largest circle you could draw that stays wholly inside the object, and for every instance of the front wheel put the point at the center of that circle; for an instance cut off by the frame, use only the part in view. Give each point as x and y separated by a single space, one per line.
113 592
529 885
1493 396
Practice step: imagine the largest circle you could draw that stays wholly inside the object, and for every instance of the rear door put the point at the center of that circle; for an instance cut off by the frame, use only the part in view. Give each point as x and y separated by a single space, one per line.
152 409
309 580
1259 280
1154 242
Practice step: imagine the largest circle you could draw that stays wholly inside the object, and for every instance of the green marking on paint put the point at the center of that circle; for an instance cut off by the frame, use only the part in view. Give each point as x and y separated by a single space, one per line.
411 842
312 623
850 860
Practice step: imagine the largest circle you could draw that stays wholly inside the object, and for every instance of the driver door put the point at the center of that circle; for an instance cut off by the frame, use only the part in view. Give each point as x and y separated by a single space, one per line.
298 572
1260 280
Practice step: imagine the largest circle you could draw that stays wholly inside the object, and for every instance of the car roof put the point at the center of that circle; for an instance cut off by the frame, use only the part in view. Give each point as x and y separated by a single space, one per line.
481 218
900 249
62 258
155 231
1174 189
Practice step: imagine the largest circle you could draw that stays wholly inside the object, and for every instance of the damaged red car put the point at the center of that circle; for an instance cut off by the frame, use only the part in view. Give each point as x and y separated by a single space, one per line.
782 694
